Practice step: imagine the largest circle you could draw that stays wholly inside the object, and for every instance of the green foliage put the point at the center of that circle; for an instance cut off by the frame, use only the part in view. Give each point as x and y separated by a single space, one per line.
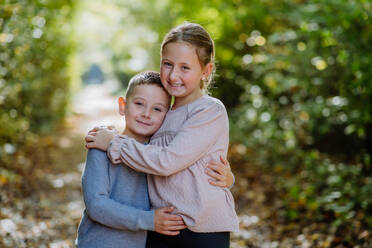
34 81
325 188
309 92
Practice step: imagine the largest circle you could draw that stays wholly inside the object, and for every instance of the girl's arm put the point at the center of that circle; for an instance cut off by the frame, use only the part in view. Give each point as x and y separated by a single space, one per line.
101 208
220 172
196 137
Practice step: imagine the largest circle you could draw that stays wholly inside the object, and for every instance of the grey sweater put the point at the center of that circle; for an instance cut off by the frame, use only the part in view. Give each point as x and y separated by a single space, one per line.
117 209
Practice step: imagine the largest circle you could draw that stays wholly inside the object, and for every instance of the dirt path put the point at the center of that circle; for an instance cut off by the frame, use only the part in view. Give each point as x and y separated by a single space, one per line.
48 217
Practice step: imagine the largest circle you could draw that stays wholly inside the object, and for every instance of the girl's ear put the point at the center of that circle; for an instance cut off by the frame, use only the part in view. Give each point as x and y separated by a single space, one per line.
122 104
207 71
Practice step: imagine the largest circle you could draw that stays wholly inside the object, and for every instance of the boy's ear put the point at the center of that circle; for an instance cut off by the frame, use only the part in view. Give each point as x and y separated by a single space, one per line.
122 104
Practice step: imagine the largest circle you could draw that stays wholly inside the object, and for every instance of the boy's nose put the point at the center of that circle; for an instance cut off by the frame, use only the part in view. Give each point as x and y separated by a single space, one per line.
146 113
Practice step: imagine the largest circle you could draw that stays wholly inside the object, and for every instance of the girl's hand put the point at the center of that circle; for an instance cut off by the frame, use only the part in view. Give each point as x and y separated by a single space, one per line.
167 223
220 172
100 137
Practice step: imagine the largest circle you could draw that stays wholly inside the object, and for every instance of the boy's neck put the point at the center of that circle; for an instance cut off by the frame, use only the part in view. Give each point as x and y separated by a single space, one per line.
139 138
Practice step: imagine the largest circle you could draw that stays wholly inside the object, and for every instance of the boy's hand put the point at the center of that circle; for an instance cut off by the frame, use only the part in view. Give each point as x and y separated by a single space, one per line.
100 138
167 223
220 172
95 129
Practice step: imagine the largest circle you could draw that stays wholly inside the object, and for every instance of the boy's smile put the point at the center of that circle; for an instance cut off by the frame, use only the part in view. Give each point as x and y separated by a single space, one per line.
144 111
143 123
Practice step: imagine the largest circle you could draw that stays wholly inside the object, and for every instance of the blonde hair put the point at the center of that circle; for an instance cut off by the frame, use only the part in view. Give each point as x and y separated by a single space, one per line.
197 36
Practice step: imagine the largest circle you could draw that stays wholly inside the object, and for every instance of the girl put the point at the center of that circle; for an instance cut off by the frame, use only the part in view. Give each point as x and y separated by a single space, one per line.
194 132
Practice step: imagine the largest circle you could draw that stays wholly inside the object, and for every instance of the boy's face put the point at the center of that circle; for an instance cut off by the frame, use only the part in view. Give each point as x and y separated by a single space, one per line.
144 111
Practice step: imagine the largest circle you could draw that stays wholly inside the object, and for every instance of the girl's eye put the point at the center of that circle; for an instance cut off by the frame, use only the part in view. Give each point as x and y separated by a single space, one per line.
167 64
158 109
138 103
185 68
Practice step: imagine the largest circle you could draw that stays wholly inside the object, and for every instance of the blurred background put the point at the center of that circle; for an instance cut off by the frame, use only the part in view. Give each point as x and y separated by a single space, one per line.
295 76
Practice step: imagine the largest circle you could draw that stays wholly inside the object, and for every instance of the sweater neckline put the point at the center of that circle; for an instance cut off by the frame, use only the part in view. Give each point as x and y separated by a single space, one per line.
188 104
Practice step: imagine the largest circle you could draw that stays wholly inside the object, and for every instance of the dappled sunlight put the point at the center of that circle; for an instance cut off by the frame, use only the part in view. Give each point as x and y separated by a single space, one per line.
294 77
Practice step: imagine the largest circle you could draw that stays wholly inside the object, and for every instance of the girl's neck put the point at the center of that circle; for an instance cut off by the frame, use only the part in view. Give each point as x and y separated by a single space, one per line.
181 101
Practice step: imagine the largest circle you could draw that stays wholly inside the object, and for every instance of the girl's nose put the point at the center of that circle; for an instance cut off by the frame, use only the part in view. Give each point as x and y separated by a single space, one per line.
173 75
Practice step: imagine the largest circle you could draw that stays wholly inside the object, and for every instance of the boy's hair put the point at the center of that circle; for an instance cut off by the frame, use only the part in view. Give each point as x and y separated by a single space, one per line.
197 36
144 78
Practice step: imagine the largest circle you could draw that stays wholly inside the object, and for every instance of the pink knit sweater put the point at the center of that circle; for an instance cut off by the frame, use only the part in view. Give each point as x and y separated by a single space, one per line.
176 158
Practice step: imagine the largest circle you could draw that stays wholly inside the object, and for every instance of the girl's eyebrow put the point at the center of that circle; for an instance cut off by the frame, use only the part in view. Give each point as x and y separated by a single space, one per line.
182 63
185 63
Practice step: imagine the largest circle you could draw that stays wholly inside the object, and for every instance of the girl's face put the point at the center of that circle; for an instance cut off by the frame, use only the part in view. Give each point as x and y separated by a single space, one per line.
181 72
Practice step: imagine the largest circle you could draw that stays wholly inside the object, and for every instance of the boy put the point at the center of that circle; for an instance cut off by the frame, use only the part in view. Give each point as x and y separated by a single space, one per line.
117 210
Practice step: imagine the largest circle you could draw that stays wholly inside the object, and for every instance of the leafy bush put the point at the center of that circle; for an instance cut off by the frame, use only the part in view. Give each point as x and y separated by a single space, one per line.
35 44
305 108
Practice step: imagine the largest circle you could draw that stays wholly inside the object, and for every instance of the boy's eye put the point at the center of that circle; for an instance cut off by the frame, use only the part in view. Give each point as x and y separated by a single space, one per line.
138 103
185 68
158 109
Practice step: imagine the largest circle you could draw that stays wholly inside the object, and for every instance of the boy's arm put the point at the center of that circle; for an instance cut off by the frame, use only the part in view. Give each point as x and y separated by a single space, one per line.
198 134
220 173
99 207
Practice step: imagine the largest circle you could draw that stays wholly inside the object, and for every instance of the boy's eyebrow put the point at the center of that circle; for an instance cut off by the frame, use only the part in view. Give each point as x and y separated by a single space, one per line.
157 103
138 97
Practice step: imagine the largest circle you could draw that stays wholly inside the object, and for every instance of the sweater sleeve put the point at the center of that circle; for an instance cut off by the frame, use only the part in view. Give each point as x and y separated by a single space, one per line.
195 138
99 206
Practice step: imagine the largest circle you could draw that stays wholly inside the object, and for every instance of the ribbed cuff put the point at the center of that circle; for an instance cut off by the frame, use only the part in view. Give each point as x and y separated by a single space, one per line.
146 220
113 151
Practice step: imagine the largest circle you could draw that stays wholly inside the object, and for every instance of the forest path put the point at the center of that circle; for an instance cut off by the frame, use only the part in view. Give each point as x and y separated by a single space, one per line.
48 216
